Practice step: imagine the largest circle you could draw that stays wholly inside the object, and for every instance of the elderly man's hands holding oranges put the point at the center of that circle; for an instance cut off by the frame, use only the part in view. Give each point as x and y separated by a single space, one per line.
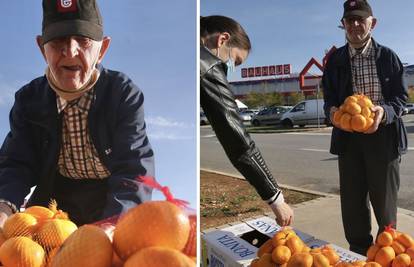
357 114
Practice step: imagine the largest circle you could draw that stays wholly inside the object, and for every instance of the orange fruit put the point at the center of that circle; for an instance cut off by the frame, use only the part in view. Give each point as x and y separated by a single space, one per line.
21 251
39 212
19 224
364 101
384 239
351 99
300 260
372 264
346 121
255 263
384 256
344 264
352 108
190 248
306 249
330 254
410 252
54 232
266 261
358 123
366 112
405 240
337 117
402 260
397 247
281 254
372 252
267 247
87 246
159 256
319 260
50 255
153 223
295 244
2 237
288 231
359 263
280 238
369 122
116 260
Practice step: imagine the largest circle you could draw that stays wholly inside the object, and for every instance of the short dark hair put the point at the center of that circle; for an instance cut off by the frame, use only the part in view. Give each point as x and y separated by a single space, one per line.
218 24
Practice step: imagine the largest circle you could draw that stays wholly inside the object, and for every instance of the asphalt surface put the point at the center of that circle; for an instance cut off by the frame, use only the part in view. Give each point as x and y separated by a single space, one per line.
302 159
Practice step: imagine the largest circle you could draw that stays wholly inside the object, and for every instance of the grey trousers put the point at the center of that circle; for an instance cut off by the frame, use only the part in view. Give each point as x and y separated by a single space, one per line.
368 172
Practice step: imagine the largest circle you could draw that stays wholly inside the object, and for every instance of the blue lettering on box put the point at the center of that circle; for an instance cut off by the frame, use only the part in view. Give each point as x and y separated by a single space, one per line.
235 246
265 227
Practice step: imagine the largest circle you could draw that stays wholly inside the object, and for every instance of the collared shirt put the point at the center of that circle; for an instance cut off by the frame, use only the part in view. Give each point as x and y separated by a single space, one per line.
78 157
364 73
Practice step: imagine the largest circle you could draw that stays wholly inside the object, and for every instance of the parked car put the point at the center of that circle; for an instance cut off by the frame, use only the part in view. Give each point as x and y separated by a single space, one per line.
305 113
203 119
246 115
269 116
409 108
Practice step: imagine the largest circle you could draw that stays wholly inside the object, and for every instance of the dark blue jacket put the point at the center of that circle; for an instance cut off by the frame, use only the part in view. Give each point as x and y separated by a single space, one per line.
30 151
337 85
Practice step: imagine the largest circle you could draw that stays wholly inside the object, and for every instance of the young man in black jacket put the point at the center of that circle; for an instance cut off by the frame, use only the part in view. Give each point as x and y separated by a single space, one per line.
369 161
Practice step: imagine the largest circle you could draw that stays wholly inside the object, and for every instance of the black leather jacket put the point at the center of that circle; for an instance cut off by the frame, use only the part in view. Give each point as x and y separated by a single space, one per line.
219 105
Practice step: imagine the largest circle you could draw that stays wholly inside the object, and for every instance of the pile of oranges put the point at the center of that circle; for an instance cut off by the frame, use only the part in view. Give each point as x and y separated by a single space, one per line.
355 114
152 234
392 249
28 238
287 249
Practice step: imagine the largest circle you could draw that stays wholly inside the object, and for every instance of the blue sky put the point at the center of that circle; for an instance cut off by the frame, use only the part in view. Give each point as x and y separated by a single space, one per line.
153 42
294 31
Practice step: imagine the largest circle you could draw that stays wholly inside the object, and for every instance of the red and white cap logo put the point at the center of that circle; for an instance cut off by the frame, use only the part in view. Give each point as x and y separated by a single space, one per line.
352 3
66 6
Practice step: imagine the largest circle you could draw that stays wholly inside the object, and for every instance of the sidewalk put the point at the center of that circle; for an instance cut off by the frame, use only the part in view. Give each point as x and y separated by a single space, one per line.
321 217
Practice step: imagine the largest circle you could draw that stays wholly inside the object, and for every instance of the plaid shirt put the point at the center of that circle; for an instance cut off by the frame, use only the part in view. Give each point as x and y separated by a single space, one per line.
78 158
364 73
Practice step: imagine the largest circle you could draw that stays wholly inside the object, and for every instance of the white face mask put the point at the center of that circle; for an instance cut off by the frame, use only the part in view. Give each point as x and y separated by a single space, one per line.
231 65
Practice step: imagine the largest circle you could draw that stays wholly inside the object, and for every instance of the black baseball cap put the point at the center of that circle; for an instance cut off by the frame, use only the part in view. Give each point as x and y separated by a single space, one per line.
357 8
71 17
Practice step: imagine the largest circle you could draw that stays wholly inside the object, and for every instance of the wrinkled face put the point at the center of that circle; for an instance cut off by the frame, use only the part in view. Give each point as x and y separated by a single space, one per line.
357 28
71 59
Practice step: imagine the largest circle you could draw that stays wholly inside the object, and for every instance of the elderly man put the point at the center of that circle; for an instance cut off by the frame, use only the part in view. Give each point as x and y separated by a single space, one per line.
77 133
368 162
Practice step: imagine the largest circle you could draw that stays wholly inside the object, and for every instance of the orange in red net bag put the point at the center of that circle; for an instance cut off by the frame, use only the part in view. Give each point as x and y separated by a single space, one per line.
164 224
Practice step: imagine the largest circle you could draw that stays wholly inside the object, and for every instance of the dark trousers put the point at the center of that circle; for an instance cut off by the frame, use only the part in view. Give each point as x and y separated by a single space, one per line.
368 172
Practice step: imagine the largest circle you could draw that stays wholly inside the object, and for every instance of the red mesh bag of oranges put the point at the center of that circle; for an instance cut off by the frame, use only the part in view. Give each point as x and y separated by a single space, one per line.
154 233
355 114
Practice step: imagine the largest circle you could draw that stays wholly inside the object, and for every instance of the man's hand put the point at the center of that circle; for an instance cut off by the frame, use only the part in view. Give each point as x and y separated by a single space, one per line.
331 116
379 114
284 214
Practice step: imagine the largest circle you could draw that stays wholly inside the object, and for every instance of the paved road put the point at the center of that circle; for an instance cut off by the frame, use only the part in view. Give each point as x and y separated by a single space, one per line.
303 160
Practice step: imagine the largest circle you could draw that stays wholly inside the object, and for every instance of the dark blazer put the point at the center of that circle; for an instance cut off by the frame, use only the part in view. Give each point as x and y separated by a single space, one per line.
30 151
337 85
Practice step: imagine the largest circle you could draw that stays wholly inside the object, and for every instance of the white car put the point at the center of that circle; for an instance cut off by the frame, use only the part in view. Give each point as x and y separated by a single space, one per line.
409 108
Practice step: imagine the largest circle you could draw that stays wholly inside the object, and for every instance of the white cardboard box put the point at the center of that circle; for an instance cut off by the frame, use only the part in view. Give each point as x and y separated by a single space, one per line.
237 245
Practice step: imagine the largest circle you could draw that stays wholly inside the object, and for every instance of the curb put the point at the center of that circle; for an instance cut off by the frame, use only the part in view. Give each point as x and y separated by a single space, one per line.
303 190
